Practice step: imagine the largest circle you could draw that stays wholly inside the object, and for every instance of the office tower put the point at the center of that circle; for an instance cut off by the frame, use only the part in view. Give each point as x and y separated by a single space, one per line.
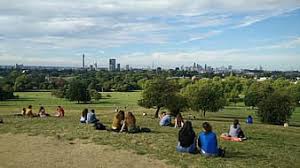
118 67
83 61
112 65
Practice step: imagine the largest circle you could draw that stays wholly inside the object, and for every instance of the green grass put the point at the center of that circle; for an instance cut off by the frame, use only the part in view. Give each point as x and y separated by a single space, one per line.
268 145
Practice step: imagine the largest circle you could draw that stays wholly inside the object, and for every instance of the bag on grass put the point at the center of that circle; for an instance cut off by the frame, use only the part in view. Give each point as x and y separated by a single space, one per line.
99 126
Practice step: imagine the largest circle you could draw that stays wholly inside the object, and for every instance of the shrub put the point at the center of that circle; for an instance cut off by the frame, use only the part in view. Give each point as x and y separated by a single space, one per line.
277 108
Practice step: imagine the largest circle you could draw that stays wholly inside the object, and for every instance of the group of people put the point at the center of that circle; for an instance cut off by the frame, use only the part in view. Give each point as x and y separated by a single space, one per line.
60 112
206 143
120 123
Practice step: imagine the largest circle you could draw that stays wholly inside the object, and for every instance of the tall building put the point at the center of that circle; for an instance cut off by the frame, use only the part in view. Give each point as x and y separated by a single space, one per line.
112 65
127 68
83 61
118 67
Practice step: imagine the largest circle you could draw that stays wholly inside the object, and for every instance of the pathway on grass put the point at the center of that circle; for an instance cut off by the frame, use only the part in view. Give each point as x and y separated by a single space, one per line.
37 151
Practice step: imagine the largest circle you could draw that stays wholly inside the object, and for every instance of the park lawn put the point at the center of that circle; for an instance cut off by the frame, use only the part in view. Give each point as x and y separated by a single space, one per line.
267 146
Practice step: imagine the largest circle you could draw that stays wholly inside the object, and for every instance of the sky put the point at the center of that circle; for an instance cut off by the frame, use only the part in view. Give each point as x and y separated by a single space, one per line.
146 33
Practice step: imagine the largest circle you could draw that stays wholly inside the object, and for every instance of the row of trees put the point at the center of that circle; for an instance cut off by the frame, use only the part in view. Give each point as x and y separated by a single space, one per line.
274 101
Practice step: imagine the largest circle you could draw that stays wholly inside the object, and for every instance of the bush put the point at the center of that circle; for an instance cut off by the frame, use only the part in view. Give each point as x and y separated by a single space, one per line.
277 108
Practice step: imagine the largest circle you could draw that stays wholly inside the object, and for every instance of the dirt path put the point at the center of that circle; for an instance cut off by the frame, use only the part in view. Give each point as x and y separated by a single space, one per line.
37 151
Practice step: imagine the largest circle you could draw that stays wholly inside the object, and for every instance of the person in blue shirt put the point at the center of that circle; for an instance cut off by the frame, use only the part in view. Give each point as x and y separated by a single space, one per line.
207 142
249 120
91 117
165 120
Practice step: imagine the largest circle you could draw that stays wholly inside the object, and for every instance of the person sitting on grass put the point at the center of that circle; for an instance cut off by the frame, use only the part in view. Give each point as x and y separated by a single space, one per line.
60 112
118 121
235 132
207 142
186 139
91 117
23 112
83 116
179 121
165 119
29 112
130 124
42 112
1 121
249 120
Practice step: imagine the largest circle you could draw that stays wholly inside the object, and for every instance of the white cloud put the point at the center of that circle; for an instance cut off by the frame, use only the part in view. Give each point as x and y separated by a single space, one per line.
203 36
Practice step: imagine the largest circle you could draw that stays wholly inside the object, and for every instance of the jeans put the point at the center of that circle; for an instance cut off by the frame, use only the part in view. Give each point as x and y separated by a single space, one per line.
190 149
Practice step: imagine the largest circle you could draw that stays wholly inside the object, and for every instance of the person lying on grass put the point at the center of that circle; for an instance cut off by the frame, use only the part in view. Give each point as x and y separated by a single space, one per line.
91 117
130 124
207 142
83 116
179 121
118 120
186 139
60 112
42 112
165 119
235 132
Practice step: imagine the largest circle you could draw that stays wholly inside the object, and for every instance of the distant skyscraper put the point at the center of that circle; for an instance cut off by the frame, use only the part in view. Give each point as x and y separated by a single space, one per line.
112 65
118 67
83 61
127 67
230 67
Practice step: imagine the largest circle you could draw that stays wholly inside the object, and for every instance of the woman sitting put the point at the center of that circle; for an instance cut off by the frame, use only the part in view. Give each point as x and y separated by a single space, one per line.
235 132
130 124
186 138
179 121
42 112
118 121
207 142
60 112
29 112
83 116
91 117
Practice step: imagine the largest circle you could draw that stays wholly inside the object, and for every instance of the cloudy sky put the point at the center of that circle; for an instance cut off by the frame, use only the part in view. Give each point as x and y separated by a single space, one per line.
141 33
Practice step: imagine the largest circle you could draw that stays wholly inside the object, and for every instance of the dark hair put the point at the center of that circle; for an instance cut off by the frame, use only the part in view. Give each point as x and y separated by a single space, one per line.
121 115
93 111
41 108
84 113
207 127
30 106
235 123
187 129
249 116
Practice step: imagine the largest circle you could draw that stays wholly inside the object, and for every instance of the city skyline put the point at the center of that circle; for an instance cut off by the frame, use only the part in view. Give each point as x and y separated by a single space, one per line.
245 34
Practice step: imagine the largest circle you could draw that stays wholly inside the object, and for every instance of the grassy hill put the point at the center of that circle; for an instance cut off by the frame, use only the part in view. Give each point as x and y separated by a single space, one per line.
267 146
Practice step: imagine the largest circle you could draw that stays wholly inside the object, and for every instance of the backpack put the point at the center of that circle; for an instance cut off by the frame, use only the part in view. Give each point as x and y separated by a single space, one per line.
99 126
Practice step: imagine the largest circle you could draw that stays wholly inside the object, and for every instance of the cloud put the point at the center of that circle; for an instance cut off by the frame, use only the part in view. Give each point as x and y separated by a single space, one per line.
202 36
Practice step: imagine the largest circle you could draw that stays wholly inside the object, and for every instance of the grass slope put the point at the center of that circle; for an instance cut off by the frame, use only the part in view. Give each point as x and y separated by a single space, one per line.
268 145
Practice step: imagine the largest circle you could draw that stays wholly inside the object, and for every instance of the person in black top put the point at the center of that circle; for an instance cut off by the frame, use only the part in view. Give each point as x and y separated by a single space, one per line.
186 139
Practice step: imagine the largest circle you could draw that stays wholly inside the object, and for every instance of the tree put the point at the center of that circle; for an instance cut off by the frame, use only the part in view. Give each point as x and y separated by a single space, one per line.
257 92
157 93
22 83
277 108
77 91
205 96
176 104
294 91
